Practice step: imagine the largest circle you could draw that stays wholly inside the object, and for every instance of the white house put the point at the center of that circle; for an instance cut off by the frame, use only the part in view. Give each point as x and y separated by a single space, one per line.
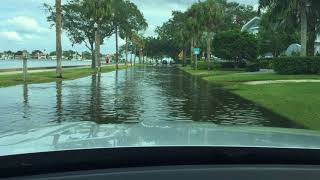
252 26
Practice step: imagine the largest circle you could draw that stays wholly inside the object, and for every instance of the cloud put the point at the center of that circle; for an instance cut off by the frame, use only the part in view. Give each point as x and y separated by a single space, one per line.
11 36
21 28
24 24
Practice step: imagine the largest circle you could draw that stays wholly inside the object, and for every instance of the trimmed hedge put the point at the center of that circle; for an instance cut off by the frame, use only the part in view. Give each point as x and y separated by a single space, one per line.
202 65
297 65
230 65
266 63
253 67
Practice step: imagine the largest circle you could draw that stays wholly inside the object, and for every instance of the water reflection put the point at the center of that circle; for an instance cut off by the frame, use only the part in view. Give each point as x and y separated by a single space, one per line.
151 97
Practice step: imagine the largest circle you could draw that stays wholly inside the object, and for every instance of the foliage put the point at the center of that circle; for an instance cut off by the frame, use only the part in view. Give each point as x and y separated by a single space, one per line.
86 55
253 67
204 65
297 65
236 15
78 22
266 63
285 12
273 38
235 46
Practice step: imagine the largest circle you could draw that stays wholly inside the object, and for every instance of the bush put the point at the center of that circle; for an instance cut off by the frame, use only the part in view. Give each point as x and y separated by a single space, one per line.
230 65
253 67
297 65
266 63
203 65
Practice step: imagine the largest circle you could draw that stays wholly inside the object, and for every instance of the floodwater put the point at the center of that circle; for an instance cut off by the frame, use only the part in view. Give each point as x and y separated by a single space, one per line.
151 95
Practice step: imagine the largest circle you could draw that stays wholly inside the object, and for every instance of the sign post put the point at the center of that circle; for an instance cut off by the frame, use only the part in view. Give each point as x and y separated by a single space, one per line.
196 51
25 67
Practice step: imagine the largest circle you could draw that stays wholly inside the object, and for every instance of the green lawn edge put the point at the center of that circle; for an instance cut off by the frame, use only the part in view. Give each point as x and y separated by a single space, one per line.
298 102
50 76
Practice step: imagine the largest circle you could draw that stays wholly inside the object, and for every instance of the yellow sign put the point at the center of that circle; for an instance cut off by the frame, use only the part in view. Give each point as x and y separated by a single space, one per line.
181 55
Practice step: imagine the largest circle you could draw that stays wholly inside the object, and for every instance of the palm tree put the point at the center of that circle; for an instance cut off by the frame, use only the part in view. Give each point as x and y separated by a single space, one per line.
211 18
194 14
100 12
289 8
58 39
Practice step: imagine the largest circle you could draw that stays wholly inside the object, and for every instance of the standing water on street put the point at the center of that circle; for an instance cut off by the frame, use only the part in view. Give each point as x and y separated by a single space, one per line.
137 95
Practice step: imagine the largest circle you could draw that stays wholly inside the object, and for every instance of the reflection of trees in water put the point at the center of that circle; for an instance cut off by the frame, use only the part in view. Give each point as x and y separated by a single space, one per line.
109 102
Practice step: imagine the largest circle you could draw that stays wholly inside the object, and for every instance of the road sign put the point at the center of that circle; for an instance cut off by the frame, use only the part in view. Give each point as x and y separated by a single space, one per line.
196 51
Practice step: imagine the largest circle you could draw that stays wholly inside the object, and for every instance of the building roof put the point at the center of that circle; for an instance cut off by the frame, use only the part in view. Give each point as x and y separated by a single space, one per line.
252 25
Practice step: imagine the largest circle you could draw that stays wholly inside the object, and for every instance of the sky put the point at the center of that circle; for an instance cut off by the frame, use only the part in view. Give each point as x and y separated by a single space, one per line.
23 24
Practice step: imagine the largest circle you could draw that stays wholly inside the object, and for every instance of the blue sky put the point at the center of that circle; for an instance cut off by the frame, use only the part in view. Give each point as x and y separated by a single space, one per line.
23 24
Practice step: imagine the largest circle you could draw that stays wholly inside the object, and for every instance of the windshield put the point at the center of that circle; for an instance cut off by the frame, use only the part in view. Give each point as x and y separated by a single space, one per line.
79 74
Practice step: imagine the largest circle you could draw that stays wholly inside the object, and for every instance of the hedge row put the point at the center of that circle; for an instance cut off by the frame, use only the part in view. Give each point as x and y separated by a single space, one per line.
297 65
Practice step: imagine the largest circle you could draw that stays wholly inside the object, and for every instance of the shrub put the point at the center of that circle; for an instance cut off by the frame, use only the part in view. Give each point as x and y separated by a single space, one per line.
253 67
231 65
266 63
297 65
203 65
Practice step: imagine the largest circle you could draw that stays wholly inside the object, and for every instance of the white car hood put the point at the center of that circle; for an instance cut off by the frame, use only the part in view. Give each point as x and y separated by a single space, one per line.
89 135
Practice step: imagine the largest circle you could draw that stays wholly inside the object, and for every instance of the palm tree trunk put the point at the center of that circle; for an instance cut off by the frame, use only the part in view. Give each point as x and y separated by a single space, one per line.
191 52
183 58
58 39
312 34
117 49
98 59
208 50
196 58
140 56
135 56
304 31
126 50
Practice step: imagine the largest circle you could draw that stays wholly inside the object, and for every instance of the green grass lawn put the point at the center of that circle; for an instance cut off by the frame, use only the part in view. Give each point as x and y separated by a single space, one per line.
299 102
50 76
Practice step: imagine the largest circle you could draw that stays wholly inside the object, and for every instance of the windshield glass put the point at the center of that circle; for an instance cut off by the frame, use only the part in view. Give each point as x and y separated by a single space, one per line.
78 74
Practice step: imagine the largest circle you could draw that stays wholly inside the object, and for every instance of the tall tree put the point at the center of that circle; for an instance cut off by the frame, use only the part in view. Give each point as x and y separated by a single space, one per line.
211 19
78 22
58 38
132 20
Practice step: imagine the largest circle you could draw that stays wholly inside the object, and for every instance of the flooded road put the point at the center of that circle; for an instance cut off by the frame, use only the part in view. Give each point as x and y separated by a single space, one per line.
137 95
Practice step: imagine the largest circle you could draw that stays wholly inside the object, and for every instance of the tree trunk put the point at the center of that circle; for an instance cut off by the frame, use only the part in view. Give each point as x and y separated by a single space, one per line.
93 56
183 58
208 50
97 51
135 56
117 49
312 35
191 52
304 31
196 58
126 50
140 56
58 39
